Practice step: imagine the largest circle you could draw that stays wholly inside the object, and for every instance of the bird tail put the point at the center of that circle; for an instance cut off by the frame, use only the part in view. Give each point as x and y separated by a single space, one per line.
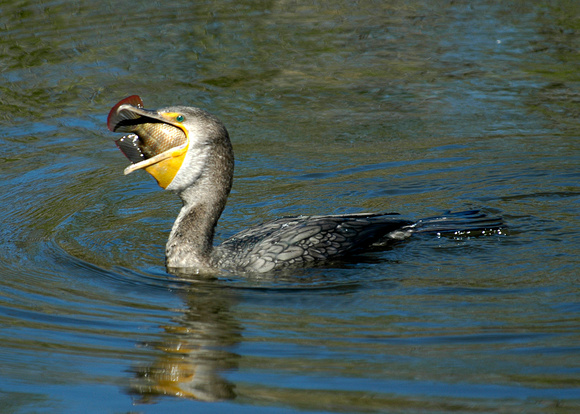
463 223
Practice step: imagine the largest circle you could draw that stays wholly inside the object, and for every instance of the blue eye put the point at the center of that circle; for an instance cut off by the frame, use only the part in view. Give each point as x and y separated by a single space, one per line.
180 118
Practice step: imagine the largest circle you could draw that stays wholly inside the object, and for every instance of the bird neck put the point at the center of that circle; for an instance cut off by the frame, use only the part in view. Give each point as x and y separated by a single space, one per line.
190 243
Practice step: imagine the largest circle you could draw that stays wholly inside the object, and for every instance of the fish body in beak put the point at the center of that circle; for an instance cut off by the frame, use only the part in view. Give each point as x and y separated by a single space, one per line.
157 140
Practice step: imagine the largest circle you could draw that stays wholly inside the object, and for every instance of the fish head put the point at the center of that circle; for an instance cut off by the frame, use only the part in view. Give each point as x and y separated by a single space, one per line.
157 140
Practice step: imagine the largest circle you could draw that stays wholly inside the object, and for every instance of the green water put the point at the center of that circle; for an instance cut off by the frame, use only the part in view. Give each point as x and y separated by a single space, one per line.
333 107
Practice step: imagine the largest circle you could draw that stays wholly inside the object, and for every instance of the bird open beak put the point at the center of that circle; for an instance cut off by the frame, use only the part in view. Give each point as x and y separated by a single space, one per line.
157 141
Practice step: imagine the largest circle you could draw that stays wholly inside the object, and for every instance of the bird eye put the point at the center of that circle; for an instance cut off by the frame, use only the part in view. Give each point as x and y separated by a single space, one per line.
180 118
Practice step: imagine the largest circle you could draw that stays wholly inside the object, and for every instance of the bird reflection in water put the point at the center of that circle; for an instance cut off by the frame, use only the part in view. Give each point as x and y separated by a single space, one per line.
194 352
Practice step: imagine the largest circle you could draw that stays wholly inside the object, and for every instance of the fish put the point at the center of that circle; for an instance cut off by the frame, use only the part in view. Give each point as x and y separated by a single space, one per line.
149 134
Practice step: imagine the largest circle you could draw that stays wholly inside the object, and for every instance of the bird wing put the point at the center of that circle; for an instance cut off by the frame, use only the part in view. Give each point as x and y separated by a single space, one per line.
294 240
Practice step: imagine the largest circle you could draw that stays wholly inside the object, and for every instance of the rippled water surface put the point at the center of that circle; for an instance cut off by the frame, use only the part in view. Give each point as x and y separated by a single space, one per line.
333 107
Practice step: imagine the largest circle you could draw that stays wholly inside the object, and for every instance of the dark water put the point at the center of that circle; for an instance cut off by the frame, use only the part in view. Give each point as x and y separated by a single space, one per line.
333 107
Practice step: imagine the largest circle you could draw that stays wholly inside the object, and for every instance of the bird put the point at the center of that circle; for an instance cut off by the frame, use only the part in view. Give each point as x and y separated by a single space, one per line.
188 151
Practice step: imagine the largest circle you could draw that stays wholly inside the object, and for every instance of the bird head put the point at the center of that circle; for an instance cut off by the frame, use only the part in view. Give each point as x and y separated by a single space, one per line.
172 143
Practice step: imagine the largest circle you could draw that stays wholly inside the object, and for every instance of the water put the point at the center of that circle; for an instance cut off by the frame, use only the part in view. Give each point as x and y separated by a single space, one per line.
333 107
